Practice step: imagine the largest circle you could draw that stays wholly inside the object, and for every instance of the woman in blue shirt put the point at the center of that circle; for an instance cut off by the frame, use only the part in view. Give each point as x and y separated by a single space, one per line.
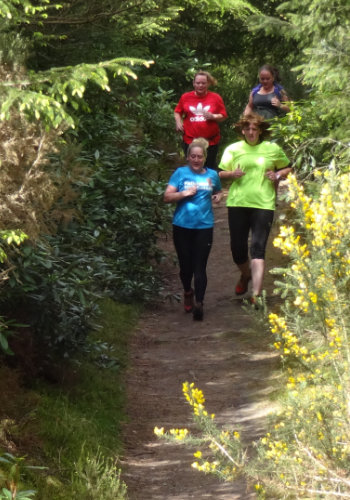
193 188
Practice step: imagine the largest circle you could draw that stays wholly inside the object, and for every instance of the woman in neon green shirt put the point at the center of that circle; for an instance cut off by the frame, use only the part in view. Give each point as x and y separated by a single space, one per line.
255 166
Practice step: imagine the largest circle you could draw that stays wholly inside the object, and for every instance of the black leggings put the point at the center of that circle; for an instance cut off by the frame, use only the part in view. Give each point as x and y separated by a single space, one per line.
193 248
241 220
210 160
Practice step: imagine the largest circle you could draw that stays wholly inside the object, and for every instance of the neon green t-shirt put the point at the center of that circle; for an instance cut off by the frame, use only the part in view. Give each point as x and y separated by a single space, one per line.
253 189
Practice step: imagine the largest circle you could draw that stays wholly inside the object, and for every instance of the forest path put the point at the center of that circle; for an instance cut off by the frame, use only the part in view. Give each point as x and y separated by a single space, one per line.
232 365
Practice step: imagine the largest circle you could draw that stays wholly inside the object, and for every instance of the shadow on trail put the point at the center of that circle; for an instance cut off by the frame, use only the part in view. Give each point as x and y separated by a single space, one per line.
225 356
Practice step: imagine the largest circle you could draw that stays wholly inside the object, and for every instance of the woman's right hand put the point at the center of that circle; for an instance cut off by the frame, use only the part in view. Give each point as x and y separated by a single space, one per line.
178 122
190 191
172 195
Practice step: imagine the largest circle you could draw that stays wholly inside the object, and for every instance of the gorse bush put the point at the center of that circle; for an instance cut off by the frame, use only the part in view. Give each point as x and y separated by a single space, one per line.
308 451
224 456
305 453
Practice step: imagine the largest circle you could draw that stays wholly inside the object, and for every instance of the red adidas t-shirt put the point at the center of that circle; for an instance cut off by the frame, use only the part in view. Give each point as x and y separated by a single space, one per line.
191 107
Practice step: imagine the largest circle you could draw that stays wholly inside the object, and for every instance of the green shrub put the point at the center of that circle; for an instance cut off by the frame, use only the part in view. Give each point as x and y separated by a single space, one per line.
52 289
12 471
97 478
309 140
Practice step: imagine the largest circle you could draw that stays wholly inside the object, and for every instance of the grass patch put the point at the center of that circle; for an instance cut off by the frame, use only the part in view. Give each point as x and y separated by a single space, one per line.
77 424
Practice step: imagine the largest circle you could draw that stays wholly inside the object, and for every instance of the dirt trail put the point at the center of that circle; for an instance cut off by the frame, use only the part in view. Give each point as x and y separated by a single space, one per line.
232 367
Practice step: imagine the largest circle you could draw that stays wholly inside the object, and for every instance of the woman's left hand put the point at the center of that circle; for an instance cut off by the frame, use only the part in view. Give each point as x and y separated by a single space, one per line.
271 175
276 102
208 115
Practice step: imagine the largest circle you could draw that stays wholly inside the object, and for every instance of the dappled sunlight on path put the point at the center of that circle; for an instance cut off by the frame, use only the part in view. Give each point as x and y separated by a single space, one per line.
231 364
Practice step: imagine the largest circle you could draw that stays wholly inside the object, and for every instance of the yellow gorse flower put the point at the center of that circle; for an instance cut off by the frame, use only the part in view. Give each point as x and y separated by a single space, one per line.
289 343
179 434
159 431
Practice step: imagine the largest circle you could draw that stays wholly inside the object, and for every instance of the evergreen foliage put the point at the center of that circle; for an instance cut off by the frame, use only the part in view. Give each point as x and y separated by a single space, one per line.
87 94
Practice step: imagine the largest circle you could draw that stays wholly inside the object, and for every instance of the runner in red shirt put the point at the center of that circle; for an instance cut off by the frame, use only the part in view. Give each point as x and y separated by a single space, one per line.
198 114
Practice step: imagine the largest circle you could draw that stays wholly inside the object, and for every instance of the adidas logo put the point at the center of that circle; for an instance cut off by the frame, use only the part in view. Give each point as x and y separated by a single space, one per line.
198 112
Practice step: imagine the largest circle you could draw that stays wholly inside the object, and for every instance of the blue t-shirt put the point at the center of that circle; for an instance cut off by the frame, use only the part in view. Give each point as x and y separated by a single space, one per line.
195 212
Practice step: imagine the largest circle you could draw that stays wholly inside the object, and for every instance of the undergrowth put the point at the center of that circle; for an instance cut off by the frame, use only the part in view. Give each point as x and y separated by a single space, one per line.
73 428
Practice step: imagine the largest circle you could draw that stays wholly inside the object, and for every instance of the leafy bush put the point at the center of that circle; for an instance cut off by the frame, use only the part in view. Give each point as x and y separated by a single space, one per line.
155 115
122 205
108 244
309 140
12 470
52 288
